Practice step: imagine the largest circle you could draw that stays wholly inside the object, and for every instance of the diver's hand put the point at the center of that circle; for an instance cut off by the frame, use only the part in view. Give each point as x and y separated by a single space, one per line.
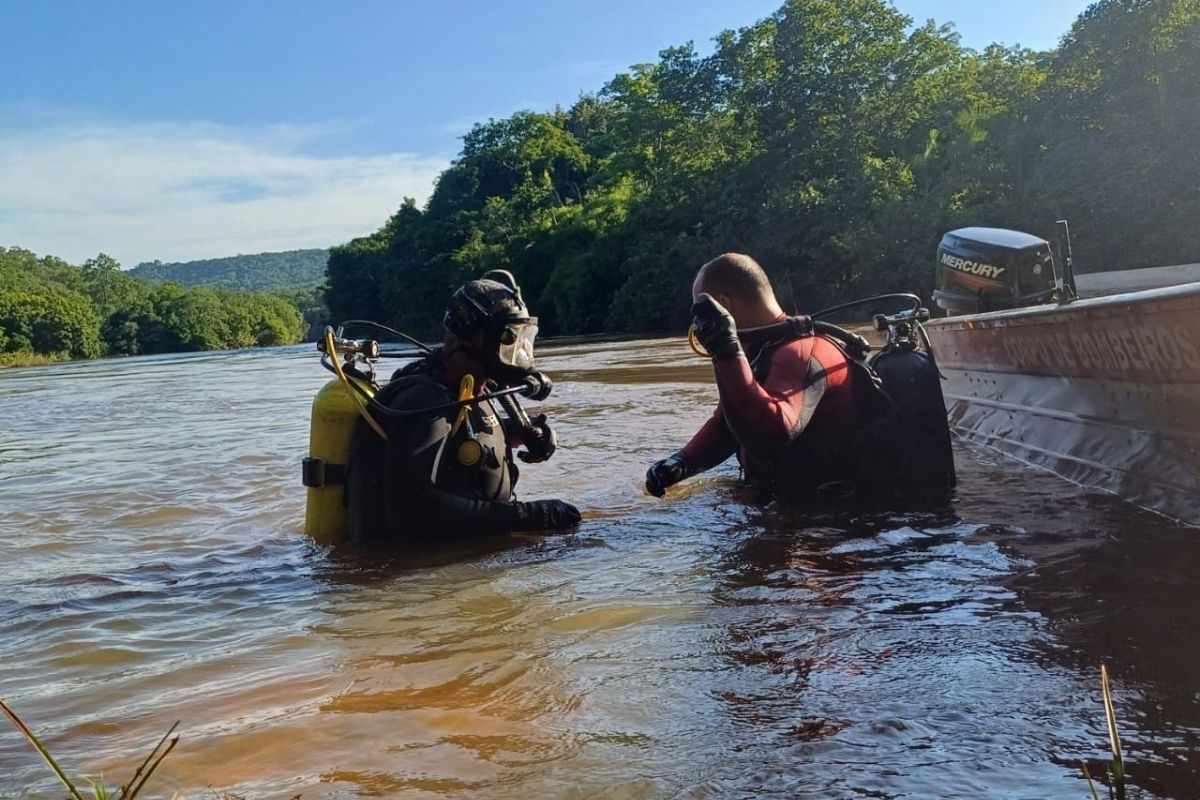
537 386
540 442
665 473
541 515
715 329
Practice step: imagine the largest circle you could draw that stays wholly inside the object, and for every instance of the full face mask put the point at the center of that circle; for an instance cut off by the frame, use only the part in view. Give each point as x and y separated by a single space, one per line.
516 344
494 305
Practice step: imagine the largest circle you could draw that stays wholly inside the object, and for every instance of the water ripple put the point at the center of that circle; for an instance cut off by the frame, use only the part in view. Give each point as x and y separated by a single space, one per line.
700 646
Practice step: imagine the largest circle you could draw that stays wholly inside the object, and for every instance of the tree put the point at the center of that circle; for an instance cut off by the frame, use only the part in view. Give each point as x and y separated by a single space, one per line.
59 323
833 140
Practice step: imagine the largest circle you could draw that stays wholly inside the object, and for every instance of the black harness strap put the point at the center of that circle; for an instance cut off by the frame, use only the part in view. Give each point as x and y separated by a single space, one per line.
316 473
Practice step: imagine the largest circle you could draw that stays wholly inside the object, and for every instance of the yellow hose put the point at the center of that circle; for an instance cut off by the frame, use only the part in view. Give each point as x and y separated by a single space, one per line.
696 348
466 390
331 349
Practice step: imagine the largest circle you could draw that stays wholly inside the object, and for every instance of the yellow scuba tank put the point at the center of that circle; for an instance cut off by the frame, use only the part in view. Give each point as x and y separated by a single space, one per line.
334 415
335 411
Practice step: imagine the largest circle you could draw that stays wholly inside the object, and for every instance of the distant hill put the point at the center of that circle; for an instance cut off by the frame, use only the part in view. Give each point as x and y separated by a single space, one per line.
263 272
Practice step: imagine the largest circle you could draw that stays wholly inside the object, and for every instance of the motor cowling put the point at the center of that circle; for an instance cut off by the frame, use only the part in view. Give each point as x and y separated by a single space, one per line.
988 269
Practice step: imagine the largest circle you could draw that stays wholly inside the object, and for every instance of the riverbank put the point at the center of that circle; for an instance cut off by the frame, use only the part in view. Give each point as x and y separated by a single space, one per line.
13 360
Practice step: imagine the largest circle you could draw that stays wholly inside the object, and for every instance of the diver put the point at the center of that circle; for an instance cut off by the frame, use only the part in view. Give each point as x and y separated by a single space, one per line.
806 419
450 474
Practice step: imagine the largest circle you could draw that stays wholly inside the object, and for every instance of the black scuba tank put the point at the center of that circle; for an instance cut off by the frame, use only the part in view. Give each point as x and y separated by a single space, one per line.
901 457
914 455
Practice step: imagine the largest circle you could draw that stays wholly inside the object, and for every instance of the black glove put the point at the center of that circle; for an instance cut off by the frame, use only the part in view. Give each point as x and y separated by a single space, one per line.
541 444
542 515
667 472
715 329
537 386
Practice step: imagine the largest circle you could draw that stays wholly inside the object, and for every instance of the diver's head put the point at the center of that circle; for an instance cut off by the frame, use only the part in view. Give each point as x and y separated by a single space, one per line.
737 282
487 320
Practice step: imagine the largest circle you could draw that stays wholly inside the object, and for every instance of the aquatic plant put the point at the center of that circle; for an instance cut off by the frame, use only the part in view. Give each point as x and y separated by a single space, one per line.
1116 768
99 789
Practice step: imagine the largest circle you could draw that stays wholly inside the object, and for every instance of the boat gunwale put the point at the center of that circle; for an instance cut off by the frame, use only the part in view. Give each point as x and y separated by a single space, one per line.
1029 315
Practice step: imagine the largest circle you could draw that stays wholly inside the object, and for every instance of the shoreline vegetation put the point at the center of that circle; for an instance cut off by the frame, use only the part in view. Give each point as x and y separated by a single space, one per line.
18 360
833 141
52 311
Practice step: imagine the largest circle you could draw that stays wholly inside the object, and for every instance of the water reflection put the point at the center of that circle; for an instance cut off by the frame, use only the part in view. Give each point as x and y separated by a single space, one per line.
1126 596
700 646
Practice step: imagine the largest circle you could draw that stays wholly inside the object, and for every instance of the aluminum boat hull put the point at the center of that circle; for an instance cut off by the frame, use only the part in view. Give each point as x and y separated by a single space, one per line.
1103 391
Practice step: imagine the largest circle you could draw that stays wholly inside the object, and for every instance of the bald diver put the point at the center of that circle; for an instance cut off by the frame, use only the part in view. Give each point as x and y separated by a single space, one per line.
806 415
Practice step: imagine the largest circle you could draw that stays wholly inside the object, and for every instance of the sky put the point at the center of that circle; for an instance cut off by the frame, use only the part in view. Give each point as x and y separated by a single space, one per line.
168 130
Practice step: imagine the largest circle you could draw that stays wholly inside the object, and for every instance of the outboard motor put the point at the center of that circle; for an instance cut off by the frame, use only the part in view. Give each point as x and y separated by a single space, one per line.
988 269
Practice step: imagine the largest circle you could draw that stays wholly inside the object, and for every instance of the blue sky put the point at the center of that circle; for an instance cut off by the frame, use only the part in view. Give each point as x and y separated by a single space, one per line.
188 130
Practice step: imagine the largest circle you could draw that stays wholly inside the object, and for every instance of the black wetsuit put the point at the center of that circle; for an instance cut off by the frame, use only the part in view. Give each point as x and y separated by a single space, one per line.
414 486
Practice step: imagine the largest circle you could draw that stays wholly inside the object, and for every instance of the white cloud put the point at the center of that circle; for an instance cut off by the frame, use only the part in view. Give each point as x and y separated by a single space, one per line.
180 191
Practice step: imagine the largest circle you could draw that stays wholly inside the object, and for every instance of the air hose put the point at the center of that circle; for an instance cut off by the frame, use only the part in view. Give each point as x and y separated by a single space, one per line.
466 392
337 368
536 385
797 328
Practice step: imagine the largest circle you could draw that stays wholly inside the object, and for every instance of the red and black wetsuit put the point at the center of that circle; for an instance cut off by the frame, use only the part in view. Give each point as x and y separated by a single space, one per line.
792 411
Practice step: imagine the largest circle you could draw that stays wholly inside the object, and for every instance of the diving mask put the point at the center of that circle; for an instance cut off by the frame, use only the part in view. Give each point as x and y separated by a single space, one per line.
516 344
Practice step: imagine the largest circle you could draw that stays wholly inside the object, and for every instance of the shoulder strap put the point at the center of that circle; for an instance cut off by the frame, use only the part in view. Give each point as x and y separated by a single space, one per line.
760 341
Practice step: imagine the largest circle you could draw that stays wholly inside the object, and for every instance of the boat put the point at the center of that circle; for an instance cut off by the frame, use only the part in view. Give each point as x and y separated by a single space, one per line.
1095 378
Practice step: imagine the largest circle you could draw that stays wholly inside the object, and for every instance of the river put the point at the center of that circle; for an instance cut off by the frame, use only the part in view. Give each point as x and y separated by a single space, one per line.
153 569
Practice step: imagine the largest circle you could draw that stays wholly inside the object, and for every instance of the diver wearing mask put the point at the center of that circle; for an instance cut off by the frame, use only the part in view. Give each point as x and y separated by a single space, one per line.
450 474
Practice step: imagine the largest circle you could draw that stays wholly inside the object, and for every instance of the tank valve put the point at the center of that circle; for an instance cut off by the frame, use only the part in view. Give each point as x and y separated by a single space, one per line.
368 348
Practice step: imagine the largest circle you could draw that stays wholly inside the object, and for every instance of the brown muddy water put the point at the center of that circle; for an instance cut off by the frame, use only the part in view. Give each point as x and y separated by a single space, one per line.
152 568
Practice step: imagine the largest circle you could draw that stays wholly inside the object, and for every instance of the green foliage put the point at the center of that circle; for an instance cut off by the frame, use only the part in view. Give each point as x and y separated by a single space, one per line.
263 272
310 303
51 311
58 322
1123 103
833 141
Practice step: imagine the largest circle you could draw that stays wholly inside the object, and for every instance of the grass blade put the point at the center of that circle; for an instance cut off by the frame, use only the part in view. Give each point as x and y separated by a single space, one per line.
134 792
1091 785
124 793
41 748
1114 738
99 789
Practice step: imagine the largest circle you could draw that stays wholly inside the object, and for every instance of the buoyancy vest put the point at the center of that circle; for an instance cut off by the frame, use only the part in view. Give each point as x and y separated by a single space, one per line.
825 457
386 480
897 455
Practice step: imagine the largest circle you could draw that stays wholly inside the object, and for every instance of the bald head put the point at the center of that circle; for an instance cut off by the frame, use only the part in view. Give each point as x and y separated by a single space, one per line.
734 275
737 282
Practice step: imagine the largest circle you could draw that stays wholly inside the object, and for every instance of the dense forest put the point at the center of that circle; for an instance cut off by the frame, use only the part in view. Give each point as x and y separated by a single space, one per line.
834 141
262 272
295 275
51 310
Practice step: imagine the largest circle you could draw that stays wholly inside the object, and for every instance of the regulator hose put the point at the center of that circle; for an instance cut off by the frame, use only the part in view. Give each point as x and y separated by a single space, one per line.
536 387
911 298
354 398
411 340
466 392
799 327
